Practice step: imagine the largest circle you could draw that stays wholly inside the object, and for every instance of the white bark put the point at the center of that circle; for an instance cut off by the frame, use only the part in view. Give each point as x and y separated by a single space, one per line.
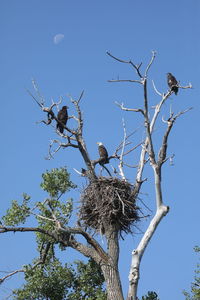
137 254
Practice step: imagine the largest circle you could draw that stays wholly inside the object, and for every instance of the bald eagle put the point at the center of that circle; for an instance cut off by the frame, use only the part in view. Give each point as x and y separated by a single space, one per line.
62 118
172 83
103 154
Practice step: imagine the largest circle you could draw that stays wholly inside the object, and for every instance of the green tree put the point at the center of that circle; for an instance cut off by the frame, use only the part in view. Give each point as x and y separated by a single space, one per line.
54 281
46 277
195 287
150 296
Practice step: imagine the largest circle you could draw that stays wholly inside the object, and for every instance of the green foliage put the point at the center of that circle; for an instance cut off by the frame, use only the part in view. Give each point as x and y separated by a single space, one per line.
45 282
56 282
195 288
150 296
56 182
17 213
88 282
48 279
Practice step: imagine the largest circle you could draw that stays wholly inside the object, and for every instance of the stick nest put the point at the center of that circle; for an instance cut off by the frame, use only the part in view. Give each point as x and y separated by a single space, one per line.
109 203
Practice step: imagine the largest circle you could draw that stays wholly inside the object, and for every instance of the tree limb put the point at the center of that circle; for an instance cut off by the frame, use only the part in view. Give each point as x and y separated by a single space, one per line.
88 238
129 109
124 80
136 67
10 275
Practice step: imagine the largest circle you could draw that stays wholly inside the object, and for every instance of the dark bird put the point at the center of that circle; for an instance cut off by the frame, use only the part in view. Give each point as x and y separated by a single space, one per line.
172 83
103 154
62 117
83 172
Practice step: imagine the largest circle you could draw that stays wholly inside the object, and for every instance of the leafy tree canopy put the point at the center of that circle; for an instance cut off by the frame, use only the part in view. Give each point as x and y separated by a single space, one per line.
54 281
47 278
195 287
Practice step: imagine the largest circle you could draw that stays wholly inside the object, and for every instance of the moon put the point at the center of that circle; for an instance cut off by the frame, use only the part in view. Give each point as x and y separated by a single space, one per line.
58 38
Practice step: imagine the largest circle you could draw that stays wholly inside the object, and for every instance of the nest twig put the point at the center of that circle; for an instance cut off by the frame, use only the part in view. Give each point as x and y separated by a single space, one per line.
109 203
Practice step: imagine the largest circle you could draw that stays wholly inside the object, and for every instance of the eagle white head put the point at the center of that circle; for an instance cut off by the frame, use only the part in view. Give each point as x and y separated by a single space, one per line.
99 143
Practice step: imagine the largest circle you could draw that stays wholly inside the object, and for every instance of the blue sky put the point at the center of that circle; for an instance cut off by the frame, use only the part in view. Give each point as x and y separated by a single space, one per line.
129 30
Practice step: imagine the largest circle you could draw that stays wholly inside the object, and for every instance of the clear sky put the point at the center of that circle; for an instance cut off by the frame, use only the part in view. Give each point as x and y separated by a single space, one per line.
77 60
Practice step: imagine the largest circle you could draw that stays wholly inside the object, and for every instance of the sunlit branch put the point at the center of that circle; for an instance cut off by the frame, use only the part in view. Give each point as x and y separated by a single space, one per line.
129 109
10 275
163 150
79 119
150 147
120 166
35 86
130 166
150 63
189 86
124 80
155 89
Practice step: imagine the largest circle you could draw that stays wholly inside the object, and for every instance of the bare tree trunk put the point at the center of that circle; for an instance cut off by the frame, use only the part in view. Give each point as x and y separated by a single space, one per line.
110 270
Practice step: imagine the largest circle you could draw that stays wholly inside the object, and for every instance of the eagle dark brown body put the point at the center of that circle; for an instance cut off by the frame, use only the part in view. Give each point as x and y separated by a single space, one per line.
103 154
172 83
62 118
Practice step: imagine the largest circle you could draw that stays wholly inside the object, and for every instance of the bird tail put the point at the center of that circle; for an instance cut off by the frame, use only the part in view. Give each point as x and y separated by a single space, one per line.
107 170
60 128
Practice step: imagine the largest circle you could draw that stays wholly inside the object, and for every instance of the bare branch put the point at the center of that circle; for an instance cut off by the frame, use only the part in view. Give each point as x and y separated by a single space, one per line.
136 67
147 125
81 95
125 80
120 166
80 173
10 275
130 166
150 63
189 86
35 86
155 89
60 145
41 105
133 148
182 112
163 150
79 119
129 109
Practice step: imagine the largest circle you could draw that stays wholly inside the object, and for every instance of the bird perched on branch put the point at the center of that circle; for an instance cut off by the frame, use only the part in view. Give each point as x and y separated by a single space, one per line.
172 83
103 154
62 117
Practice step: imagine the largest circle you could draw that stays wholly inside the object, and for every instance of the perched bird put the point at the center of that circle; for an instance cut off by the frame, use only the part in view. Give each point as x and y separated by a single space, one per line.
62 117
172 83
103 154
83 172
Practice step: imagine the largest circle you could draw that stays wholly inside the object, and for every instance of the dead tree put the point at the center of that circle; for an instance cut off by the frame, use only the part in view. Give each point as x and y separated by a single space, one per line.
109 204
156 162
